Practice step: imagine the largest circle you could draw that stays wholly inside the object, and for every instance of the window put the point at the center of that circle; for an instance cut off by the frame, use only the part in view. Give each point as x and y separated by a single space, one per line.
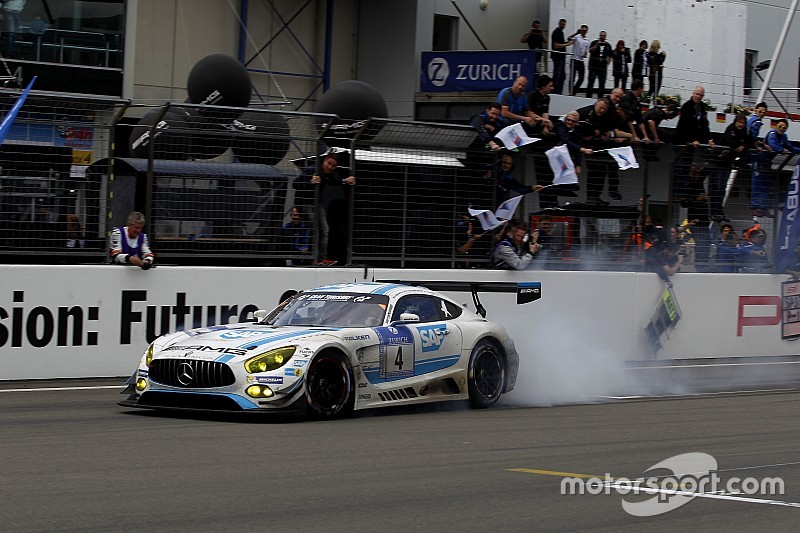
445 33
750 61
422 306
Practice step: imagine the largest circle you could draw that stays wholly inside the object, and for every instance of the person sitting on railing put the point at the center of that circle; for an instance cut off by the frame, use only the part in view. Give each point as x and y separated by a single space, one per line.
539 105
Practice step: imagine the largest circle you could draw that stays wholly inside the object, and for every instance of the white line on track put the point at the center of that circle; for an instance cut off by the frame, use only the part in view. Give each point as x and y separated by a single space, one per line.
97 387
723 496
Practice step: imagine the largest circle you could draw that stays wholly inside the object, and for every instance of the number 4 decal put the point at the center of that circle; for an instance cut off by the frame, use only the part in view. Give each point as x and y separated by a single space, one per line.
398 360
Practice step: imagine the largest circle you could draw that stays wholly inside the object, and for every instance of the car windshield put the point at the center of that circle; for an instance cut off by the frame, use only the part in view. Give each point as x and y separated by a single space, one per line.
330 309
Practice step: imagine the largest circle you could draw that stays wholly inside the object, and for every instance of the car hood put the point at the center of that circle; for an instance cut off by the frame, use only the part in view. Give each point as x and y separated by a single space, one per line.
234 340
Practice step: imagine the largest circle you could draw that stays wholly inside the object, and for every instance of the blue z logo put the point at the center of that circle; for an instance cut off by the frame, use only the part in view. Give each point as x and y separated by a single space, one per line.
432 337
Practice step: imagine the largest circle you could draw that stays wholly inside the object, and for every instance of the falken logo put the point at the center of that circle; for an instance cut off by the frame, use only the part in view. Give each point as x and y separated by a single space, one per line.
239 334
432 337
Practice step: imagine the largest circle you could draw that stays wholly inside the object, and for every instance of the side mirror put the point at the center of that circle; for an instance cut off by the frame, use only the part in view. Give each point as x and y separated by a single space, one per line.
406 317
260 314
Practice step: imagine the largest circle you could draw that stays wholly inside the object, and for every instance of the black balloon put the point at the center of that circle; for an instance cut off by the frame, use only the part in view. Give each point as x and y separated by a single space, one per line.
207 138
353 102
261 138
219 80
169 135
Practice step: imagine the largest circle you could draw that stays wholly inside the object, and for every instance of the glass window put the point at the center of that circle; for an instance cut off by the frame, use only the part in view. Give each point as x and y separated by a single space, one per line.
422 306
72 32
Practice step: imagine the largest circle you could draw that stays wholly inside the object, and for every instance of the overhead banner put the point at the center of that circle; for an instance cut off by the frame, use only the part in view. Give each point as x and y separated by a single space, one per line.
475 71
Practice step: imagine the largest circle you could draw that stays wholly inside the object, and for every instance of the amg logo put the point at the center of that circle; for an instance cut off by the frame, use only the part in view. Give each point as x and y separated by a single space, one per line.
230 351
526 291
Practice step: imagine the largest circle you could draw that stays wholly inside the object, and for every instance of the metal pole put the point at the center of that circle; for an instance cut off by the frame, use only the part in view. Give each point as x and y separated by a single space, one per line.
778 47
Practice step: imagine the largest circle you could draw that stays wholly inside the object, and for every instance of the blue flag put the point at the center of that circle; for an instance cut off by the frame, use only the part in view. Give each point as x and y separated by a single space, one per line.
789 231
8 120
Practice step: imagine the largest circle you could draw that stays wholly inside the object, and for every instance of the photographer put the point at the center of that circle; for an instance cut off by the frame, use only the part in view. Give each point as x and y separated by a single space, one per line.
129 245
516 250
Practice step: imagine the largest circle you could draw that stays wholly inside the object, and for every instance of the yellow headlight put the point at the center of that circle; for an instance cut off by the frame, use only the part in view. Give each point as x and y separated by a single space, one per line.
259 391
148 355
141 384
271 360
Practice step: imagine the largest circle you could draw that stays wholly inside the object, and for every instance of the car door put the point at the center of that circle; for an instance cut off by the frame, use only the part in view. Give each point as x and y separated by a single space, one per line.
421 347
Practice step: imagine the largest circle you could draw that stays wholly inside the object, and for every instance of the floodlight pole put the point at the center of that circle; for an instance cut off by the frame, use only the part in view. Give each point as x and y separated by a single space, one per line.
778 47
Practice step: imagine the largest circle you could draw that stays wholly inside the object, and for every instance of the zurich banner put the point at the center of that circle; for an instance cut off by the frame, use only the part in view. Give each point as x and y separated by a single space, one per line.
789 230
475 71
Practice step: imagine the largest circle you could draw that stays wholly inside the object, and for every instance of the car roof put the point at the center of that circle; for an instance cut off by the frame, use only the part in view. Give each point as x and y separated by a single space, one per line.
366 287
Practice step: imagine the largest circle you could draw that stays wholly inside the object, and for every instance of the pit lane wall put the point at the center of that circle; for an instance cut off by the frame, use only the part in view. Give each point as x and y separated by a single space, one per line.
96 320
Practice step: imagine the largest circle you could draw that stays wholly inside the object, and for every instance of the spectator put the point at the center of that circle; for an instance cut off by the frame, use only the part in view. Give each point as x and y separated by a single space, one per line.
332 185
503 175
552 241
12 12
514 103
513 251
621 58
794 268
659 257
465 249
596 125
755 259
600 55
735 142
559 45
580 49
129 244
536 40
75 232
297 235
691 132
487 124
539 105
777 143
636 124
36 29
655 66
695 199
652 120
759 163
639 70
755 121
569 134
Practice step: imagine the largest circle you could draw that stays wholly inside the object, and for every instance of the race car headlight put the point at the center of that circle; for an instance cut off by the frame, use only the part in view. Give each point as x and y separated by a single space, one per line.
148 355
270 360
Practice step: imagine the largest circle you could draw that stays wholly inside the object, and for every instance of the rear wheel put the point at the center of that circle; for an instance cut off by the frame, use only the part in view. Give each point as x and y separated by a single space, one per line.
486 375
329 386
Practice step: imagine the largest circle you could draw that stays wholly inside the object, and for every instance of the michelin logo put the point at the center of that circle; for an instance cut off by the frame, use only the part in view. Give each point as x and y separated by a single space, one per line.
432 337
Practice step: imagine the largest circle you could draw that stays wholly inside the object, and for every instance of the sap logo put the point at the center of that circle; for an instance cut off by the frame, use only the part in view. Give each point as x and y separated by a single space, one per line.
432 337
438 71
239 334
300 363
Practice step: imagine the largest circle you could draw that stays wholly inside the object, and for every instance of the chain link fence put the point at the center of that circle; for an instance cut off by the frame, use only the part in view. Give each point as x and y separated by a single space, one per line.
217 186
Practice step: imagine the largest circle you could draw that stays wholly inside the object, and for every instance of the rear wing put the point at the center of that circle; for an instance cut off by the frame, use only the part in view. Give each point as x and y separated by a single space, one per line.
527 291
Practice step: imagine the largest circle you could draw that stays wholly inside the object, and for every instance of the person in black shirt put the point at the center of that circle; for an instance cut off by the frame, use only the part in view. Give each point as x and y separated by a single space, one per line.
558 44
539 105
536 40
600 54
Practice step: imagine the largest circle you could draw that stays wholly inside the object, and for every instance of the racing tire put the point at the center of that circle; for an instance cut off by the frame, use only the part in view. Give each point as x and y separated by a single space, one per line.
329 387
486 375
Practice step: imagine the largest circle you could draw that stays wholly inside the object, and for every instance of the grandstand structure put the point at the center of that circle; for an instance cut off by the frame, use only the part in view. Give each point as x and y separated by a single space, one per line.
70 171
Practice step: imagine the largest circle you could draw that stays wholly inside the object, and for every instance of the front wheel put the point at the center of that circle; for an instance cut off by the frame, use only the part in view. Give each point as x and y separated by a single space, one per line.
329 386
486 375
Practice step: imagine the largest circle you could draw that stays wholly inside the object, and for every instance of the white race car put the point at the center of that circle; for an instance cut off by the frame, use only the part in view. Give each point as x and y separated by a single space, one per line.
332 350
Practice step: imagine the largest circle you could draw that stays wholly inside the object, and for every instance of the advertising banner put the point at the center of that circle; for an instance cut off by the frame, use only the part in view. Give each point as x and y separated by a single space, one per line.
475 70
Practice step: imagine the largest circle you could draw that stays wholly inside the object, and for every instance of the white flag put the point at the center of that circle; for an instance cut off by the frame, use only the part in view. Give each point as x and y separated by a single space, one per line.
514 136
486 218
562 165
504 212
624 157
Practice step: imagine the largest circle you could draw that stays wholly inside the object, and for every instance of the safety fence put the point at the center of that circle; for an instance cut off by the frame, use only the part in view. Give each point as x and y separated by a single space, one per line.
218 186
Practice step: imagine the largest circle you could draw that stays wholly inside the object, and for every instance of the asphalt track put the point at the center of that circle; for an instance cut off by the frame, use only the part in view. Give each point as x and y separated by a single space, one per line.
72 460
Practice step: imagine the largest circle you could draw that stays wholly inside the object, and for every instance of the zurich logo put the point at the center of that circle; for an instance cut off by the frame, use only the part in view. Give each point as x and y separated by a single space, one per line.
438 71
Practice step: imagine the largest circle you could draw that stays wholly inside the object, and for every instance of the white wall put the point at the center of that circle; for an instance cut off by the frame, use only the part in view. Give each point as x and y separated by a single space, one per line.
582 316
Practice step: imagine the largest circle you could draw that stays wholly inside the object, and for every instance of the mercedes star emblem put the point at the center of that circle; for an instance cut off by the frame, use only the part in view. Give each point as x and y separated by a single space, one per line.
185 374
